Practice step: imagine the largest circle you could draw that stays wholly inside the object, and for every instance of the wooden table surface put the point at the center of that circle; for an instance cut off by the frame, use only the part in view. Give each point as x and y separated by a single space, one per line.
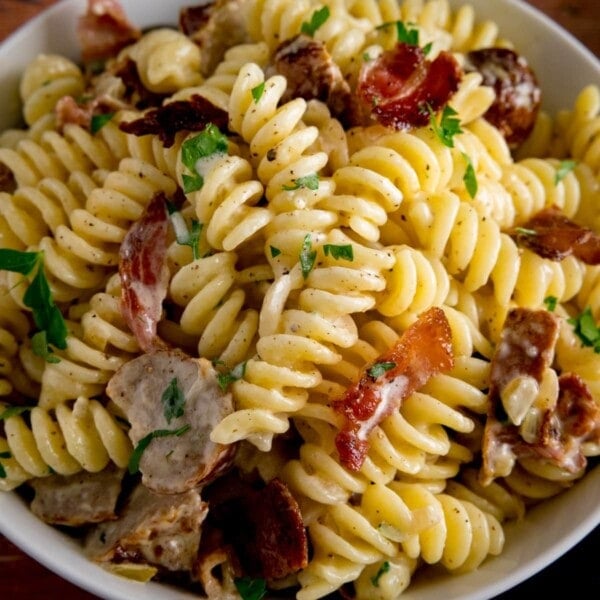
21 578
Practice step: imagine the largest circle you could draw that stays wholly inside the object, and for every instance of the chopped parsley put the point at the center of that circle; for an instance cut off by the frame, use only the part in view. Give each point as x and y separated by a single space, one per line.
258 91
99 121
136 455
307 181
525 231
204 145
251 589
339 251
2 472
384 568
183 235
551 302
318 18
407 35
13 411
564 168
275 252
38 297
586 329
173 400
307 256
225 379
378 369
469 178
447 128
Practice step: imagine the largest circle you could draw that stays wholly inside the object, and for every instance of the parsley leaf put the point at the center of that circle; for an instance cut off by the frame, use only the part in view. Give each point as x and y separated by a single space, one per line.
406 35
469 178
136 455
184 236
308 181
208 142
40 347
317 19
586 329
384 568
258 91
173 400
13 411
38 297
225 379
378 369
447 128
99 121
525 231
274 251
307 256
339 252
564 168
551 302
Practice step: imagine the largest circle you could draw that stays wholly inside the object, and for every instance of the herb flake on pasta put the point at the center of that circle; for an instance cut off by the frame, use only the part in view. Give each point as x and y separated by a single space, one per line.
318 18
258 91
307 256
38 297
470 178
448 126
564 168
384 568
99 121
275 252
378 369
307 181
551 302
207 144
226 379
586 329
339 251
183 235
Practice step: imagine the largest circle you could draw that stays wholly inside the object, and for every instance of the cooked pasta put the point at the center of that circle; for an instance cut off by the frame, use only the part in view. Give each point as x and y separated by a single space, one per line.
297 254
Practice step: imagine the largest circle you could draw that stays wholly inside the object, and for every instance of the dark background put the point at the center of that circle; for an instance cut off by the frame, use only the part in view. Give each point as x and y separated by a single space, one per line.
577 573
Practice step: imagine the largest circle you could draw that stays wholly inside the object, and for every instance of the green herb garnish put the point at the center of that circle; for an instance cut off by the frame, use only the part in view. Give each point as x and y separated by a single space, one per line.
469 178
339 252
173 400
447 128
378 369
274 251
99 121
251 589
551 302
258 91
183 235
586 329
136 455
207 143
13 411
308 181
564 168
317 19
406 35
38 297
384 568
307 256
2 471
225 379
525 231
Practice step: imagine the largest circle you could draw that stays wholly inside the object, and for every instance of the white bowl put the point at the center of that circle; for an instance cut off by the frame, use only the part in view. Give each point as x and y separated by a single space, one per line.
563 66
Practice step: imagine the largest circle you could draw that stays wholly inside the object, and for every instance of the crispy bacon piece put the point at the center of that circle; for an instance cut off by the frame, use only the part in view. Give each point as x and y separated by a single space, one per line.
518 95
552 235
311 73
526 349
424 349
181 115
144 273
264 526
395 88
104 30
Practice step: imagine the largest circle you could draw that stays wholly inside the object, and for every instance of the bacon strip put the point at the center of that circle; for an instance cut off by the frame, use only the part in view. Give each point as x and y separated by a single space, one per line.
552 235
104 30
396 88
181 115
144 274
424 349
